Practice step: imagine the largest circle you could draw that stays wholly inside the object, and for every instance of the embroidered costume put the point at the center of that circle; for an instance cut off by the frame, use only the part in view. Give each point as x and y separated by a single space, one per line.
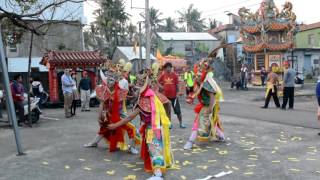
207 125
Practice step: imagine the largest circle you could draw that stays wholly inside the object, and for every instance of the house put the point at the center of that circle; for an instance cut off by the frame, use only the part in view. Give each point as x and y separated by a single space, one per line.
131 54
306 55
191 45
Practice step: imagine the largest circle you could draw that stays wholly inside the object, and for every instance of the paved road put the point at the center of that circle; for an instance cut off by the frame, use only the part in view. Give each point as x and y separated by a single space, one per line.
261 144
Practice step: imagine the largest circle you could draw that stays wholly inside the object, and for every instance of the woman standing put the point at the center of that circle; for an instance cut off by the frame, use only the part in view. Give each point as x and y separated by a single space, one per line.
75 94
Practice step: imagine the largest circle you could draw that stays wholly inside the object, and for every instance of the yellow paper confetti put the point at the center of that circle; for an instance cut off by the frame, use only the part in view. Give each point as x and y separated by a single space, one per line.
227 167
251 165
45 163
253 159
273 152
137 169
112 172
107 160
252 149
177 162
296 138
318 172
252 155
212 161
131 166
67 167
235 168
248 173
277 161
183 177
310 159
87 168
187 154
225 152
82 160
187 163
276 148
175 167
295 170
130 177
139 162
203 167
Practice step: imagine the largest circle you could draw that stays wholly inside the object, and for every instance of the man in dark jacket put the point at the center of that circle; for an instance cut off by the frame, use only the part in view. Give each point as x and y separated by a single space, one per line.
18 91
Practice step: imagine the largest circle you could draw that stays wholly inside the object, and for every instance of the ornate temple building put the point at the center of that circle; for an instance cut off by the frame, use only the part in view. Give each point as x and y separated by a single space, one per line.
268 33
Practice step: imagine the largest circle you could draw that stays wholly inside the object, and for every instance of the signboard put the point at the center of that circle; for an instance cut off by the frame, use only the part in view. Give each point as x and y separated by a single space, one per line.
275 60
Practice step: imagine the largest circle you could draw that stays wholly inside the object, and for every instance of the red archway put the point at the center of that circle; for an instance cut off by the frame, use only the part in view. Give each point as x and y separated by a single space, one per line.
69 59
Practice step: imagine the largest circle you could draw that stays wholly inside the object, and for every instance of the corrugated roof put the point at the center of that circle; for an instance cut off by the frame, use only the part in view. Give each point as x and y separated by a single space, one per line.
310 26
128 51
21 64
186 36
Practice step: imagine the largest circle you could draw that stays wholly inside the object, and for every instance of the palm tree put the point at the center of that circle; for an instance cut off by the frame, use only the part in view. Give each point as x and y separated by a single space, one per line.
192 17
170 25
155 20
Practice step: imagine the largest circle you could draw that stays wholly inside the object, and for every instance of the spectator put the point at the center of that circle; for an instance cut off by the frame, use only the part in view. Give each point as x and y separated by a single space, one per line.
85 90
244 76
18 91
188 78
75 94
67 89
288 86
318 98
264 75
168 81
272 89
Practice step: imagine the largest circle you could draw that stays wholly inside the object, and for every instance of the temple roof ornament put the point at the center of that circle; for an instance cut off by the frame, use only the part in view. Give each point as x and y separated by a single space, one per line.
268 29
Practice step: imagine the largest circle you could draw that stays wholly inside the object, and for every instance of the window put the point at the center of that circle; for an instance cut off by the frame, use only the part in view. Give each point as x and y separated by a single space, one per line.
188 47
311 39
13 48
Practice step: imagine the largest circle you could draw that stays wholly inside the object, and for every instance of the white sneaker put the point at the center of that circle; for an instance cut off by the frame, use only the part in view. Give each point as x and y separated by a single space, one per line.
188 145
90 145
133 150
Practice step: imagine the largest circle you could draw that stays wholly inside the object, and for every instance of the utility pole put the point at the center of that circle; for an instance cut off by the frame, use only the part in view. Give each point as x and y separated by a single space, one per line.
140 47
148 38
9 100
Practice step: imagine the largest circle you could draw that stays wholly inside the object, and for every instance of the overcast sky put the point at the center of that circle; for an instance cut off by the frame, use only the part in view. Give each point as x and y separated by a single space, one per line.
307 10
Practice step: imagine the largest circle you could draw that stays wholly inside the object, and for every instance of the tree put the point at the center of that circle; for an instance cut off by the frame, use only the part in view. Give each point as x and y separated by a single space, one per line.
212 23
111 22
155 20
170 25
16 14
192 18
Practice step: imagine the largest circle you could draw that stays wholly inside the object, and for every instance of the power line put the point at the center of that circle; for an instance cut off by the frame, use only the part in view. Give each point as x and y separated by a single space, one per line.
223 12
230 5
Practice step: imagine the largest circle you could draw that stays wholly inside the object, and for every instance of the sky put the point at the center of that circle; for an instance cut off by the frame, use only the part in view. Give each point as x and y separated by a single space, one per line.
307 11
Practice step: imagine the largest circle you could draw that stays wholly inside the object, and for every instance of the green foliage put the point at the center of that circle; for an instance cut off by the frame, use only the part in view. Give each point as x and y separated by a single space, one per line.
212 23
192 16
155 20
201 48
11 34
170 25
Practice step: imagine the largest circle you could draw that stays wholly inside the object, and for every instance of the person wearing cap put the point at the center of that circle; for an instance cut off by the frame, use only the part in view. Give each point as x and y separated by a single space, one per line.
272 89
288 86
67 88
168 81
85 89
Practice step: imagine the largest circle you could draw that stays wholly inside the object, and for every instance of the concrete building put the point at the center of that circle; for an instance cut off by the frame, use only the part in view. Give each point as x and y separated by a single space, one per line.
306 55
191 45
131 54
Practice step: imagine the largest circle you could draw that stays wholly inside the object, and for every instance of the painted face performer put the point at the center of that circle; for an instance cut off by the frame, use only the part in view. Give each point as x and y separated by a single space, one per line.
207 125
155 146
111 111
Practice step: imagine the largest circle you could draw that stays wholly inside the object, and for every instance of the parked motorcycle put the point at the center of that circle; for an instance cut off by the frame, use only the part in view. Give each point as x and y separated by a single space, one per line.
35 110
299 79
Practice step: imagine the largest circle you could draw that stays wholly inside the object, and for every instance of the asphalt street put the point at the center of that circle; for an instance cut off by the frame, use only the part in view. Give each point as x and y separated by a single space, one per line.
261 144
